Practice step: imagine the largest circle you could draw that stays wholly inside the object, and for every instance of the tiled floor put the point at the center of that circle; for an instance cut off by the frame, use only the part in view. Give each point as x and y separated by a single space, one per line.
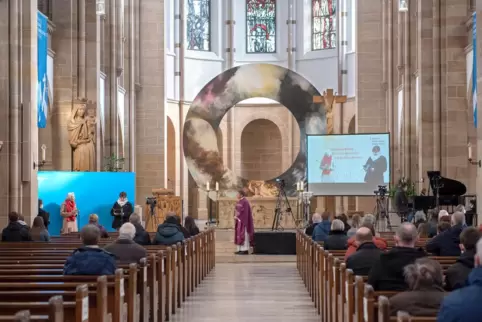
267 292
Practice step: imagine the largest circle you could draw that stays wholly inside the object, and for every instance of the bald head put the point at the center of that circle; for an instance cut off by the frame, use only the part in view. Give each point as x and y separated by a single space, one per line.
458 218
406 235
363 235
316 218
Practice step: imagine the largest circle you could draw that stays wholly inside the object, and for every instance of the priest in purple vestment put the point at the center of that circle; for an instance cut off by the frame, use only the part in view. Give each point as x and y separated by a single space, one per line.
243 227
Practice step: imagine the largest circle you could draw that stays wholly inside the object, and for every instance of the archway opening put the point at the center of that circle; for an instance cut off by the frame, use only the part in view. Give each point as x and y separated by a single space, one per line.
261 150
171 155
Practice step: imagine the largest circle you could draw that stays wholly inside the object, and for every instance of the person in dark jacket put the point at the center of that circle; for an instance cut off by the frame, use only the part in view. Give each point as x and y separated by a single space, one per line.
322 230
447 243
125 249
344 219
15 231
168 233
42 213
425 289
387 273
337 240
94 220
121 210
366 254
463 305
456 275
90 259
142 236
184 231
190 226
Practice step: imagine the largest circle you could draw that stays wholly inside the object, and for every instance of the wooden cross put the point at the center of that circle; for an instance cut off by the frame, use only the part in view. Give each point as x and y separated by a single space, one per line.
329 100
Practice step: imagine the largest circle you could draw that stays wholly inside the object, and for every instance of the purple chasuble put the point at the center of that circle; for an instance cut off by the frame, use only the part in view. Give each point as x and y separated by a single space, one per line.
243 222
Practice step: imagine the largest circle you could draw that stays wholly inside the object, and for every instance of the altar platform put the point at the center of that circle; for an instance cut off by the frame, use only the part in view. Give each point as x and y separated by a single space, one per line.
263 209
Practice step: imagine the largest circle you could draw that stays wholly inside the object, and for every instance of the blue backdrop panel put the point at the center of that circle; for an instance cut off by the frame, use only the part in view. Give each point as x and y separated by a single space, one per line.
95 192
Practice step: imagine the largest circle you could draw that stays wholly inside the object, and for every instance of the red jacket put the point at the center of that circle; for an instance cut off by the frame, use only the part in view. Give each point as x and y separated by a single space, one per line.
352 246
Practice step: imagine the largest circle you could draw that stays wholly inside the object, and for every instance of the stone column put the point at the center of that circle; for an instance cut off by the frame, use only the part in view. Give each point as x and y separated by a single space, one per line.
112 78
65 79
479 113
29 191
81 53
131 36
150 103
370 96
407 117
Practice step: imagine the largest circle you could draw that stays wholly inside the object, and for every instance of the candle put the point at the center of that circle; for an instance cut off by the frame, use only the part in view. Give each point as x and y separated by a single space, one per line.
207 186
302 185
217 186
297 186
44 150
470 151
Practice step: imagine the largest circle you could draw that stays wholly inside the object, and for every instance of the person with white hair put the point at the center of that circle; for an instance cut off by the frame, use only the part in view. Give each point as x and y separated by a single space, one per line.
69 213
337 240
125 248
447 243
315 220
387 273
463 305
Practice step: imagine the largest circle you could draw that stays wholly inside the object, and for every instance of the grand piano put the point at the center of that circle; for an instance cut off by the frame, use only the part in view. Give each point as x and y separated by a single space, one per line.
450 193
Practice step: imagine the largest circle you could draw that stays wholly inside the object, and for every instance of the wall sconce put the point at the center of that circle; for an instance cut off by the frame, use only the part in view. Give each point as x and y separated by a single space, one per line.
42 163
1 145
100 7
402 5
471 161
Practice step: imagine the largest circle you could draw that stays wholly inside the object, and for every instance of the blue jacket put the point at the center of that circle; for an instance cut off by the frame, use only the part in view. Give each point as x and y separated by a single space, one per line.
446 243
321 231
463 305
90 261
168 234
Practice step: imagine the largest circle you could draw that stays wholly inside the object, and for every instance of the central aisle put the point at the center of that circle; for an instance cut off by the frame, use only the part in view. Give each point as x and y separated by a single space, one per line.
268 292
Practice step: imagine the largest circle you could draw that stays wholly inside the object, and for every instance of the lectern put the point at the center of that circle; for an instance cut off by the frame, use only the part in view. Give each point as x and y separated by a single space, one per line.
166 202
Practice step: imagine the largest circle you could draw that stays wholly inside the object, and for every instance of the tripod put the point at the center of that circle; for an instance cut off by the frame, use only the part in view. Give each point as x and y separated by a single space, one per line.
282 200
381 212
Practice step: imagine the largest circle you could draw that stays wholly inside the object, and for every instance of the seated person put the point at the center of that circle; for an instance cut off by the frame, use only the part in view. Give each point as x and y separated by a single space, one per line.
21 221
168 233
337 239
423 230
443 216
366 254
315 220
185 232
463 305
425 289
94 220
38 231
125 249
447 243
190 226
90 259
142 236
456 275
443 226
42 213
355 224
344 219
387 273
368 221
15 231
322 230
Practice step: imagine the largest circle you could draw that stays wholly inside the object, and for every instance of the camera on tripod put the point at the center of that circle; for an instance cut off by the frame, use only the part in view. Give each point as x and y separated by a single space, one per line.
281 182
382 191
152 202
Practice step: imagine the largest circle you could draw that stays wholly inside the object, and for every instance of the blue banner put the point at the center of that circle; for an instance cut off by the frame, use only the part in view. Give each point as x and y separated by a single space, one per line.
42 81
474 68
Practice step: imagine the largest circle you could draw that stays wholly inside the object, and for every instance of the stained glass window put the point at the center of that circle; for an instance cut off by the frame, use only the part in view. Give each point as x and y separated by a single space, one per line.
261 26
323 27
199 25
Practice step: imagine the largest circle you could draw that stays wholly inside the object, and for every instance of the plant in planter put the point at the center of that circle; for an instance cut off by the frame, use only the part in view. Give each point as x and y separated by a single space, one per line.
407 184
113 163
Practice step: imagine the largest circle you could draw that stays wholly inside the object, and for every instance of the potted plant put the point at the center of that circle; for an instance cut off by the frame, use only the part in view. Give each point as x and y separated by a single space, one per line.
113 163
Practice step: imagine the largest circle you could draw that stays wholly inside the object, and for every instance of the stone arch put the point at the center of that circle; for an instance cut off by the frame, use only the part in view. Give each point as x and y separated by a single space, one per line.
261 150
219 138
171 155
273 118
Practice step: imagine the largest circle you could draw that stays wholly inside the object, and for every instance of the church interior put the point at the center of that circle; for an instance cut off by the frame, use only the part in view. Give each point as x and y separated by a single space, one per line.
309 110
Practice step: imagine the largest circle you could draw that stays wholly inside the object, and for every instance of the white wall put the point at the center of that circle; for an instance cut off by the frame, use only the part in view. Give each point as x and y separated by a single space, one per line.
320 67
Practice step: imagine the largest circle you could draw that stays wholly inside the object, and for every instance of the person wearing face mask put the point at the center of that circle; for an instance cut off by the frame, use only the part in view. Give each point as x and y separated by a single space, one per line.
375 167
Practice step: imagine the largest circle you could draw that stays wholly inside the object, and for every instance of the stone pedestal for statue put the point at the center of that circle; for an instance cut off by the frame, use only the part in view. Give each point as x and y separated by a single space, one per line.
166 202
263 212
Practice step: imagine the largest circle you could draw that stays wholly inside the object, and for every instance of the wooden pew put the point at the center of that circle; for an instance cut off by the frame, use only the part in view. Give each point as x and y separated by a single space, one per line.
384 314
56 313
72 311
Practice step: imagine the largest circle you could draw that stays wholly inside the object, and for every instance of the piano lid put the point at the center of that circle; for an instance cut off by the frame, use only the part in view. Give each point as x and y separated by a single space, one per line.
448 187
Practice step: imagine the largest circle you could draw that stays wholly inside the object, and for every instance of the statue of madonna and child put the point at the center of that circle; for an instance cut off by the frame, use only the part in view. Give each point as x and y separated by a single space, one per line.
82 130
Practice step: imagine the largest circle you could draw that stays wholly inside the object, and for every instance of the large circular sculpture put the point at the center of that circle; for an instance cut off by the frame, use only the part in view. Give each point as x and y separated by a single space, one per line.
225 91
